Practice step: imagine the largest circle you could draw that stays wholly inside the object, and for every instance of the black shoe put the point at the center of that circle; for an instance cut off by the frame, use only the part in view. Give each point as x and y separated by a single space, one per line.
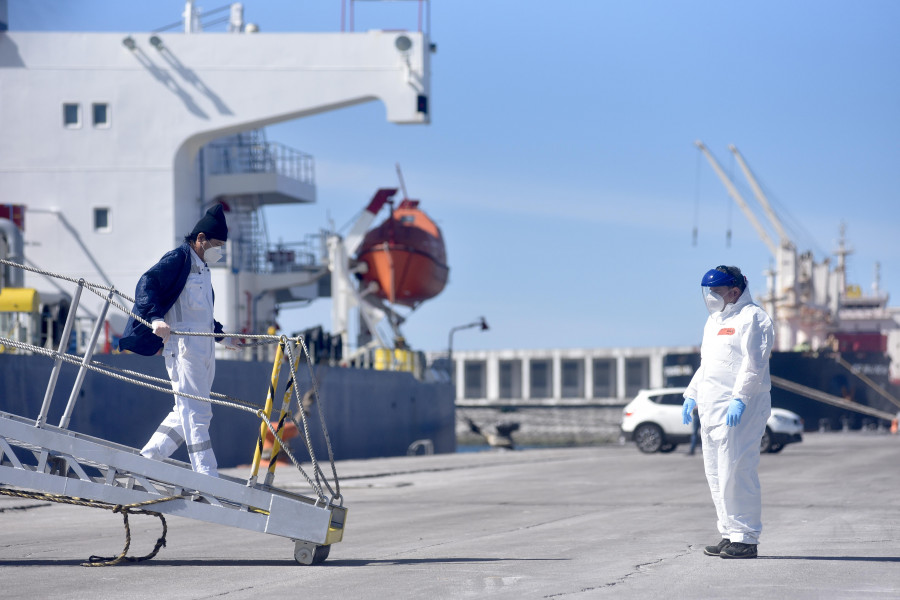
738 550
717 549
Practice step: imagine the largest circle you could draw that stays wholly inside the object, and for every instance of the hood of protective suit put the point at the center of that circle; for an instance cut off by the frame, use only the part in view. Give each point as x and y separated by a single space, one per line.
730 309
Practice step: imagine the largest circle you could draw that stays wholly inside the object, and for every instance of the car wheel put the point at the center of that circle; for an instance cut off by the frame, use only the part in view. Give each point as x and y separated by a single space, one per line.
668 447
776 448
648 437
765 444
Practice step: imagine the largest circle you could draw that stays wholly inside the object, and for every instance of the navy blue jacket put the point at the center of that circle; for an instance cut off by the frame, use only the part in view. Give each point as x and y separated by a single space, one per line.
156 292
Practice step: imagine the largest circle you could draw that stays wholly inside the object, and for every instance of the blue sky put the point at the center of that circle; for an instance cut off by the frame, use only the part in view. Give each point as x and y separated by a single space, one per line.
560 162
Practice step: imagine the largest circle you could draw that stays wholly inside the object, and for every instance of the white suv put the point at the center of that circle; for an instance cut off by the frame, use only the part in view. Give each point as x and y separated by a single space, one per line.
653 420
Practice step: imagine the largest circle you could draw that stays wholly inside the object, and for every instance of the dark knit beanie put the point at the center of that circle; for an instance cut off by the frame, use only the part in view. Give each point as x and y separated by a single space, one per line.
213 224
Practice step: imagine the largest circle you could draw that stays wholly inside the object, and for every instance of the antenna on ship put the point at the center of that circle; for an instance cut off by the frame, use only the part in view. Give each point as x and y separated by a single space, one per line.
842 251
876 284
402 184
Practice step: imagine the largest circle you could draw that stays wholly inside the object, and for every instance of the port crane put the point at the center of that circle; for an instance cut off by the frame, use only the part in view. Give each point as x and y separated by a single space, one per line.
803 297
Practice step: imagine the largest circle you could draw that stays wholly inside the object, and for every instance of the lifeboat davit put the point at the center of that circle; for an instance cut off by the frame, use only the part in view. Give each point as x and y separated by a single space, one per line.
406 256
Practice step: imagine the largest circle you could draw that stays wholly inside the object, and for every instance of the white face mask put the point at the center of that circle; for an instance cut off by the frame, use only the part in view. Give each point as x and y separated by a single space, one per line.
213 254
714 302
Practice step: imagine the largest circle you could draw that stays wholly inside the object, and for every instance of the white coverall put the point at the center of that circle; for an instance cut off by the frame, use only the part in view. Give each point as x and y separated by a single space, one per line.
191 364
734 363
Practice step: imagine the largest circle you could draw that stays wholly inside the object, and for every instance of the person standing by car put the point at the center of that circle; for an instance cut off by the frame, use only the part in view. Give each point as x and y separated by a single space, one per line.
176 294
731 390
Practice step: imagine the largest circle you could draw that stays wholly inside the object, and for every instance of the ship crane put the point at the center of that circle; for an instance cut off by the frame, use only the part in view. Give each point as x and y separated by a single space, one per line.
785 241
344 292
739 200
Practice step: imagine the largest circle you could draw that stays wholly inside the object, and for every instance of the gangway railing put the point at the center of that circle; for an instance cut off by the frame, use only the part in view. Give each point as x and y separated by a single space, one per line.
60 463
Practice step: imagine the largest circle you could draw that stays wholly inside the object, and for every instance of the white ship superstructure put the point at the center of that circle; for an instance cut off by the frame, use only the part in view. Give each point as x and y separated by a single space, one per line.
116 143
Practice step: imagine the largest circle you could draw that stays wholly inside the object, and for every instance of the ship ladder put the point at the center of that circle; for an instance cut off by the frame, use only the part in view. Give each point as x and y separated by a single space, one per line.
53 463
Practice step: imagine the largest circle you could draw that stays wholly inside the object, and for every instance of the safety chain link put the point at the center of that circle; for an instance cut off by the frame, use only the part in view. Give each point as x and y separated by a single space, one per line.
125 509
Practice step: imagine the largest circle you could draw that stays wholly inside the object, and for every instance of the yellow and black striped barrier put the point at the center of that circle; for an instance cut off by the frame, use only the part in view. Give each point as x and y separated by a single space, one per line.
270 398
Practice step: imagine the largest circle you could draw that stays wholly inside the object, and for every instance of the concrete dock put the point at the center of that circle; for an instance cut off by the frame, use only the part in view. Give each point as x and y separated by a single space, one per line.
595 522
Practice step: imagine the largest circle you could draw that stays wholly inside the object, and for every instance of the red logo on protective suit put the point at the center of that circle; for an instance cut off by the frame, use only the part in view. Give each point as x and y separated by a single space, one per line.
727 331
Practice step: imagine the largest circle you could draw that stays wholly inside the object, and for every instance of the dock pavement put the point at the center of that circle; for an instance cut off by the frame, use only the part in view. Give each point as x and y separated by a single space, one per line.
569 523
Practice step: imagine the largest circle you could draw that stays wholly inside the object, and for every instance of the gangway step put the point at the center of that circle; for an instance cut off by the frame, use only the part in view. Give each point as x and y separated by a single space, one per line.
59 461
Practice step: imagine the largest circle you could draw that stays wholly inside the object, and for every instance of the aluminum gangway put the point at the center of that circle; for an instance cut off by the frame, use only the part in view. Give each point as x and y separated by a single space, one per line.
56 463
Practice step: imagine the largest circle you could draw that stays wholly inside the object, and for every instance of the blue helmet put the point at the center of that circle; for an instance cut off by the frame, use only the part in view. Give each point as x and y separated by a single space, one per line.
716 278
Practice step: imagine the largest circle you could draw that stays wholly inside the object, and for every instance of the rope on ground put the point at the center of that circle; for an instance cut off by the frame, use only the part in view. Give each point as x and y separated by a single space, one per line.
125 509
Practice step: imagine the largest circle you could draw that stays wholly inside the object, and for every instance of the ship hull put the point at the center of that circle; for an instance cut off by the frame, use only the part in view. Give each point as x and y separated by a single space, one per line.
368 413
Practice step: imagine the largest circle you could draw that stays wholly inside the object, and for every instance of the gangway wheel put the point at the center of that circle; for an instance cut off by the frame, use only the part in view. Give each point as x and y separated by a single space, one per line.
307 553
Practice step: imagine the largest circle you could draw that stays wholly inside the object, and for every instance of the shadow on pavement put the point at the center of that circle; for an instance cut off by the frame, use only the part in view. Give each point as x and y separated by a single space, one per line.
846 558
243 562
424 561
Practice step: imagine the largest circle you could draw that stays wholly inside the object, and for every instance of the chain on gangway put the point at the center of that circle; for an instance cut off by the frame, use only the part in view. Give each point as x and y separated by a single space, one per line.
321 482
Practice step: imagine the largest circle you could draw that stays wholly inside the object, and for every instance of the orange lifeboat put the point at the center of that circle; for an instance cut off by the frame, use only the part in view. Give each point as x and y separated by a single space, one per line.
406 256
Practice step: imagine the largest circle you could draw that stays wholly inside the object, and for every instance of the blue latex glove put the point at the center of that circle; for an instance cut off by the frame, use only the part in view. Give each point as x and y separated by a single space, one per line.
735 410
687 410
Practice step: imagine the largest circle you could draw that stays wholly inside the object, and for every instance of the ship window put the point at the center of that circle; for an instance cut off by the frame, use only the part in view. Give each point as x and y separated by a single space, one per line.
101 115
101 220
72 115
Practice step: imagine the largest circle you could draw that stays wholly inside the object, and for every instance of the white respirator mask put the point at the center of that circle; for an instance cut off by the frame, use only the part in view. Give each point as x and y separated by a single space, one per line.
213 254
714 302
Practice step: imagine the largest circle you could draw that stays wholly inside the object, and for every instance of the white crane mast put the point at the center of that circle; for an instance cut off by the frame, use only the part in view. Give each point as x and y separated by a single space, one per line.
733 192
763 201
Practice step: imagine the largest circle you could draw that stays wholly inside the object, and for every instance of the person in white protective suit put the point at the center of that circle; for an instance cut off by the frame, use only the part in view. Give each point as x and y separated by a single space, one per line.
731 389
176 295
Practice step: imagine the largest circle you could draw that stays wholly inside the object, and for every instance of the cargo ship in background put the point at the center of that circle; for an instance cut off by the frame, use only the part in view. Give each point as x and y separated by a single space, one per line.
107 164
109 172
